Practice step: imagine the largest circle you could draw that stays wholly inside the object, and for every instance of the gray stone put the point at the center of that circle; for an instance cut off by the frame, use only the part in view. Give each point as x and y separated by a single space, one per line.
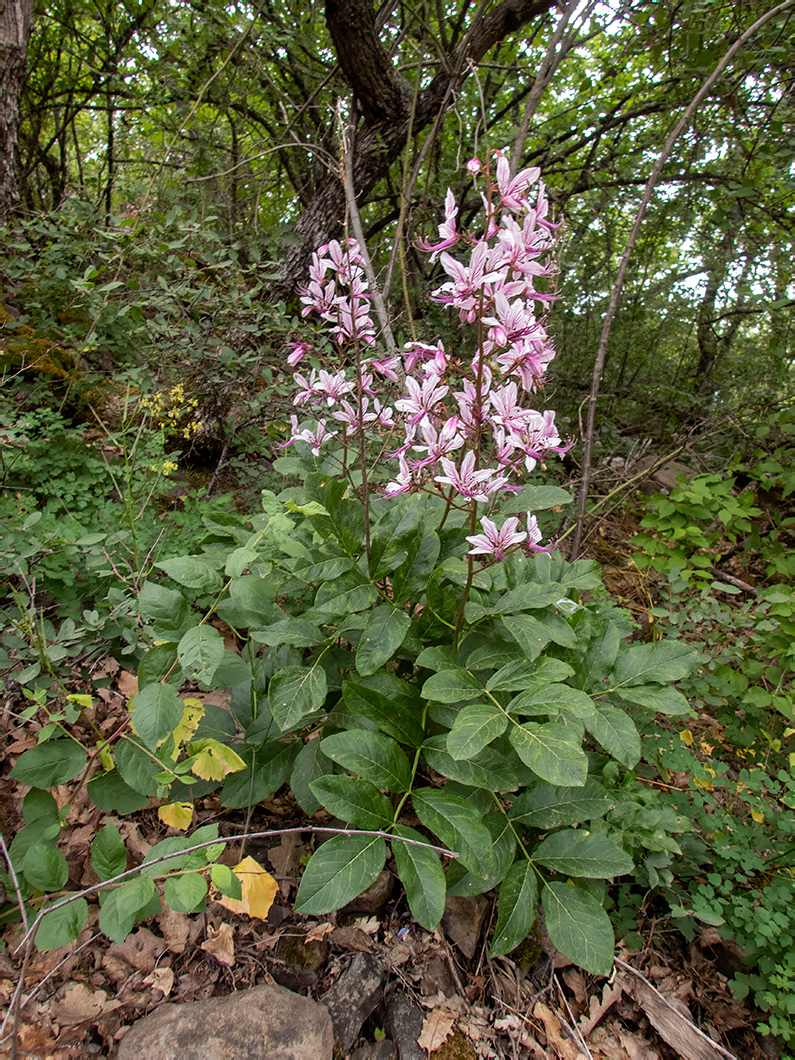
264 1022
462 922
404 1021
353 997
376 895
385 1050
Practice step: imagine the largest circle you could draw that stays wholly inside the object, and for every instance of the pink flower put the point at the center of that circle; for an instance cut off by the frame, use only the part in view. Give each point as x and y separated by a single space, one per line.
403 482
439 443
494 542
513 190
298 350
449 236
534 535
474 166
469 483
422 398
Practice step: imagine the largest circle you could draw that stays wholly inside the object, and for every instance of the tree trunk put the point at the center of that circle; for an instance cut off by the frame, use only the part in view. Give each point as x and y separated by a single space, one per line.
385 102
16 18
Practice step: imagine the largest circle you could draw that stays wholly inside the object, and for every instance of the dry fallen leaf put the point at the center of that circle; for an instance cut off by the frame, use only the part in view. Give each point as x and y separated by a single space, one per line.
127 684
369 925
221 944
79 1004
161 979
436 1029
318 932
258 886
176 815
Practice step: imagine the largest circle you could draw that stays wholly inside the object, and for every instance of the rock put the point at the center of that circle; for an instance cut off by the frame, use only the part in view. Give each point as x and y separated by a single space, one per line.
375 897
385 1050
353 997
266 1021
462 922
404 1023
302 961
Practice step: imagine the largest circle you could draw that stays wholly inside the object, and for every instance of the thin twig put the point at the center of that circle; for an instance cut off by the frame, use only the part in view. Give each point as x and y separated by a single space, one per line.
615 294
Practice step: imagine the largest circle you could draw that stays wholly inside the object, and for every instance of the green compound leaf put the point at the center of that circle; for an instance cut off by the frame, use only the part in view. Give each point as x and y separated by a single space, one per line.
51 763
200 653
338 871
488 769
547 806
62 926
295 692
421 874
355 801
580 853
382 636
662 662
452 686
663 700
372 755
464 884
616 732
553 699
108 853
192 573
579 927
394 713
156 713
459 826
553 751
474 728
516 911
531 634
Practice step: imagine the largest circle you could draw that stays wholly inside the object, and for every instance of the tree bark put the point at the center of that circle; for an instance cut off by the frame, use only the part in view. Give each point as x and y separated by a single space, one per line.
16 19
385 102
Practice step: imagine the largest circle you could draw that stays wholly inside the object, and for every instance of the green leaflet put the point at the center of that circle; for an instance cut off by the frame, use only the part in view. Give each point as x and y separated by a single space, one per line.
458 824
108 853
372 755
517 908
354 800
51 763
545 806
452 686
573 852
193 574
338 871
62 926
616 732
475 726
385 631
579 927
422 876
553 751
295 692
156 713
660 662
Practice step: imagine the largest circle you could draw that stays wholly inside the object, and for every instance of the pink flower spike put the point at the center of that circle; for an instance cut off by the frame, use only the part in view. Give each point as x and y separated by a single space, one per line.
474 166
494 542
469 483
534 536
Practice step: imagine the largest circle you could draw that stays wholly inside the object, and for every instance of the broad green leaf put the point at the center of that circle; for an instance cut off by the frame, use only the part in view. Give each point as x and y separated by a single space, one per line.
517 907
465 884
372 755
452 686
310 764
173 844
553 751
382 636
325 570
186 893
397 715
616 732
421 874
536 499
267 768
338 872
438 658
663 700
475 727
573 852
226 881
459 826
156 663
553 699
348 594
355 801
528 597
531 634
122 907
661 662
250 603
295 631
63 926
45 867
295 692
546 806
156 712
40 807
138 769
579 927
200 652
51 763
581 574
193 574
109 792
167 609
108 853
488 769
135 894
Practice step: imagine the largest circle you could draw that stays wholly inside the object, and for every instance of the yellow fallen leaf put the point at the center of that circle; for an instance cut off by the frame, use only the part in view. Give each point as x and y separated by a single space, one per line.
686 737
176 815
214 760
161 979
757 814
436 1029
258 886
221 944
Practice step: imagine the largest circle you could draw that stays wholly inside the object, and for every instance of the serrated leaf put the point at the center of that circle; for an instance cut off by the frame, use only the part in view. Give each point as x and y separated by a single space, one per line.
459 826
474 728
156 713
385 631
546 806
176 815
225 881
517 908
166 608
257 889
200 653
137 768
214 760
192 573
616 732
338 872
51 763
62 926
465 884
579 853
661 662
354 800
421 874
372 755
553 751
108 853
45 867
295 692
109 792
579 927
186 893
